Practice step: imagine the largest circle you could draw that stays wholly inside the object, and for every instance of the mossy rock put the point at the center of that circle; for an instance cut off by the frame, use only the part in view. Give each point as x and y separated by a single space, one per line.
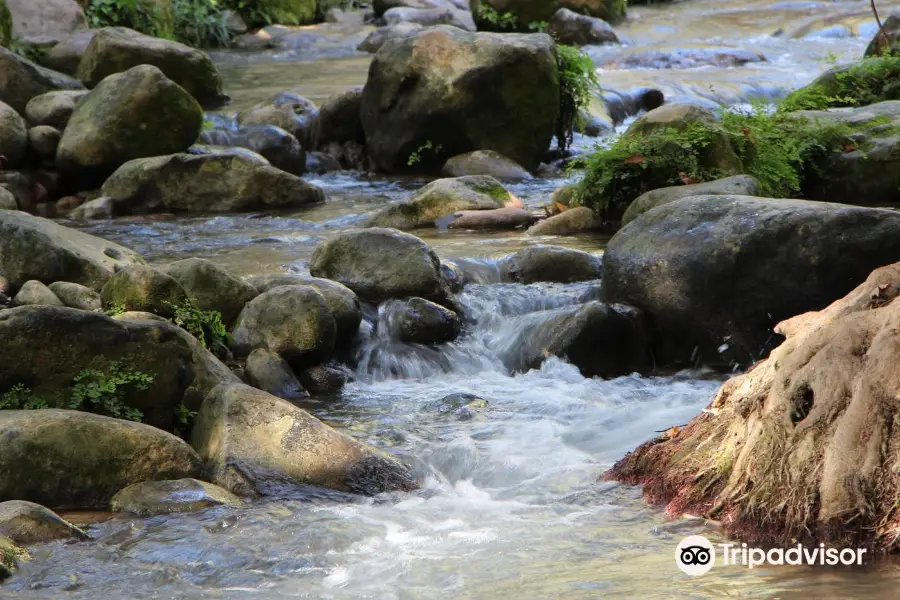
28 523
143 289
864 82
525 15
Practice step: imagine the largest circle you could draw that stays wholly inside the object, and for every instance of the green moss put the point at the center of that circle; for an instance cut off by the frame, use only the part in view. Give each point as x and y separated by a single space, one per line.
577 79
5 24
866 82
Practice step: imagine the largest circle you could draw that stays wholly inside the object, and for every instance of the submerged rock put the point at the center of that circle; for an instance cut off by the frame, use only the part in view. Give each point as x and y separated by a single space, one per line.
419 321
760 261
738 185
267 371
21 80
580 219
28 523
172 496
253 442
211 287
552 264
145 289
72 459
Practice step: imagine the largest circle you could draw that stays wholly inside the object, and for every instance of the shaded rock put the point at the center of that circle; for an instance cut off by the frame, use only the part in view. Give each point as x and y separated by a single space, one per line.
739 185
485 162
172 496
462 406
77 296
576 220
322 379
65 56
442 91
419 321
267 371
35 292
338 119
13 136
380 36
320 163
98 208
43 141
569 27
212 287
42 17
760 261
442 198
281 149
293 321
486 220
111 125
116 49
72 459
253 442
53 108
357 260
28 523
21 80
7 200
36 248
882 44
525 12
143 288
288 110
551 263
205 183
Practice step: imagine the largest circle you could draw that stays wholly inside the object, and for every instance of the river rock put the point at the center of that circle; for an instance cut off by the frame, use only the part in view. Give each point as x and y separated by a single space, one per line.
485 162
442 198
442 92
43 141
127 116
71 459
211 287
580 219
428 17
551 264
53 108
718 301
821 408
149 498
890 40
36 248
338 119
418 321
499 219
7 200
21 80
13 136
205 183
98 208
117 49
341 301
525 12
77 296
45 17
293 321
359 260
722 57
36 293
267 371
569 27
375 40
323 379
144 289
288 110
320 163
281 149
253 442
28 523
65 56
738 185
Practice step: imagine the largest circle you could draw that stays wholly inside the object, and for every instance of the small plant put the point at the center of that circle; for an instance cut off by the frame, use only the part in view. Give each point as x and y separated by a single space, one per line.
107 390
539 26
416 156
20 397
870 80
577 79
205 325
499 21
145 17
200 23
115 308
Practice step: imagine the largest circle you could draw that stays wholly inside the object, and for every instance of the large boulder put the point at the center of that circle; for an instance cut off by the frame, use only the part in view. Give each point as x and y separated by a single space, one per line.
428 17
143 288
211 287
716 273
117 49
7 200
485 162
444 91
129 115
28 523
738 185
518 15
442 198
70 459
148 498
253 442
21 80
205 183
287 110
13 136
36 248
569 27
293 321
418 321
800 448
276 145
551 264
45 17
380 264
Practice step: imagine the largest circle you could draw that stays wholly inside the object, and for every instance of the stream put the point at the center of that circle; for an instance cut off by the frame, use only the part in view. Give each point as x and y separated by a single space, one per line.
511 506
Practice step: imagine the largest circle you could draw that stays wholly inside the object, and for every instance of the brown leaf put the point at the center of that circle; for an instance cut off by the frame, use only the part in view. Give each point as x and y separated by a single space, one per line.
637 159
685 178
560 207
850 147
745 131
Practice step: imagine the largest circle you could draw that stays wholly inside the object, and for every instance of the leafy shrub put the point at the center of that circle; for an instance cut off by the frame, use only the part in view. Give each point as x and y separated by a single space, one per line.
19 397
865 82
115 308
200 23
205 325
106 390
135 14
498 21
576 80
193 22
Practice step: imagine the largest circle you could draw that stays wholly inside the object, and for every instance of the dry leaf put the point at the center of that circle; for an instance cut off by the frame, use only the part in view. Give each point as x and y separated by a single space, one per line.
849 147
560 207
637 159
686 179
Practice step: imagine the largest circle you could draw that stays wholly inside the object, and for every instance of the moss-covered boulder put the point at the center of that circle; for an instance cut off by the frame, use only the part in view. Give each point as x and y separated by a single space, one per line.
289 111
129 115
21 80
519 15
379 264
293 321
149 498
551 264
53 108
36 248
117 49
864 82
28 523
211 287
485 162
443 91
738 185
442 198
255 443
68 459
7 200
13 136
6 24
418 321
205 183
145 289
760 261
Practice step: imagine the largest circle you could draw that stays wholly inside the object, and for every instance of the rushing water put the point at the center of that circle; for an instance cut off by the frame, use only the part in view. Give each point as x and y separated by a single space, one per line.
510 506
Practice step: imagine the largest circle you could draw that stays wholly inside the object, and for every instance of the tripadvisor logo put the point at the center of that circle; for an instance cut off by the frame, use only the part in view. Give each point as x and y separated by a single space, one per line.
696 555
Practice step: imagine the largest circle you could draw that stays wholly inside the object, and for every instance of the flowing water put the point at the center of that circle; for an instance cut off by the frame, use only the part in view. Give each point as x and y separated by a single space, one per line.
511 506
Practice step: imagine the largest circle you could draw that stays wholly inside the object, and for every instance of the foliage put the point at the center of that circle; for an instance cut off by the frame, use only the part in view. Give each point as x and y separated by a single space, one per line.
205 325
108 389
30 52
576 80
499 21
115 308
416 156
200 22
134 14
194 22
539 26
20 397
868 81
